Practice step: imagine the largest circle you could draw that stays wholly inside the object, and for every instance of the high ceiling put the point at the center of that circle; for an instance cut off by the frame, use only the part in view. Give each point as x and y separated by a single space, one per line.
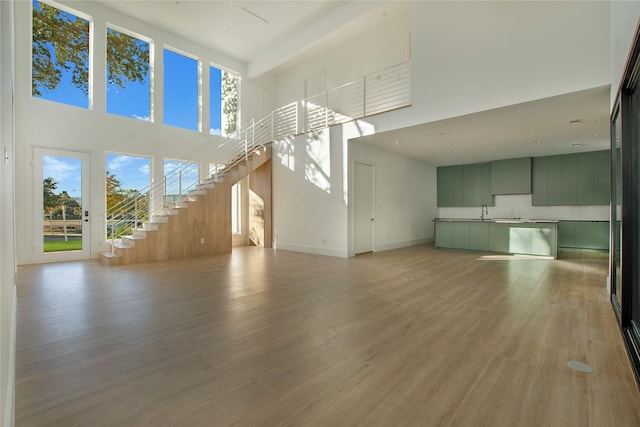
562 124
264 34
268 35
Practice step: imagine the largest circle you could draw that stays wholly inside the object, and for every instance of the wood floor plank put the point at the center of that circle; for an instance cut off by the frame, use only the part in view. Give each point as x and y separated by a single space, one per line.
259 337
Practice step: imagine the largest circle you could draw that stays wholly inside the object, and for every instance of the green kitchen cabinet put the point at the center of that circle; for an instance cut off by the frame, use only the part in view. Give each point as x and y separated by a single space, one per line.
543 241
444 234
504 237
519 239
569 179
539 181
460 235
472 189
499 237
567 234
579 179
479 236
485 185
584 234
450 184
547 178
602 177
586 178
511 176
464 185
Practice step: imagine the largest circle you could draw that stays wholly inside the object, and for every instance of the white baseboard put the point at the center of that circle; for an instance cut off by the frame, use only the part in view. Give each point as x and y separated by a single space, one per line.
398 245
9 403
316 250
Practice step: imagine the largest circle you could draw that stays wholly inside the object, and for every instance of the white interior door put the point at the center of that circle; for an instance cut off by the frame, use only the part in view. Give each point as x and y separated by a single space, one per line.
363 207
61 205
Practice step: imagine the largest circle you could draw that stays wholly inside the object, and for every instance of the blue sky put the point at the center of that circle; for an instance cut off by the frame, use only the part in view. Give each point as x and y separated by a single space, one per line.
180 109
66 172
132 172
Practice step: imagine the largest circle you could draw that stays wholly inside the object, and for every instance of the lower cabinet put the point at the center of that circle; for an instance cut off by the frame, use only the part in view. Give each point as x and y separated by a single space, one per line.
499 237
584 234
479 236
461 235
514 238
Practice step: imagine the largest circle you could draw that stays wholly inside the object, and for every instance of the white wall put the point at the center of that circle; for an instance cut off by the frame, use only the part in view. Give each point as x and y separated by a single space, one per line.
309 203
404 197
472 56
312 186
372 50
624 20
521 206
7 219
41 123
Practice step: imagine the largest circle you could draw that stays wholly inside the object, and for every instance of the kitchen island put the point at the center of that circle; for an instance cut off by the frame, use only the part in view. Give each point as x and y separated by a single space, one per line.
507 236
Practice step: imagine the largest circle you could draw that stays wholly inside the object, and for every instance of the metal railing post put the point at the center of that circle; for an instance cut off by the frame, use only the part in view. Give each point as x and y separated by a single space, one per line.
364 96
326 109
135 213
113 238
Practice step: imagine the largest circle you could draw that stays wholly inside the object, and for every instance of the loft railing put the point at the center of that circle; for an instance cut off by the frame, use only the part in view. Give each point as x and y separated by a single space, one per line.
379 92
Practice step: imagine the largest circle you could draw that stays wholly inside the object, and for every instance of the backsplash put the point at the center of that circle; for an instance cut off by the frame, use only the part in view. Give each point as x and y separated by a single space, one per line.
520 206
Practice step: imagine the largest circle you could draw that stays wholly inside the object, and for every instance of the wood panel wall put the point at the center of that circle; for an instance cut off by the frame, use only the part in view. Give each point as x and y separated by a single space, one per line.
260 220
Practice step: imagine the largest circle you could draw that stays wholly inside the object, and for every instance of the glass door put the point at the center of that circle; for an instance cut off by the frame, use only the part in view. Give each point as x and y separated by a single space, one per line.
61 214
615 254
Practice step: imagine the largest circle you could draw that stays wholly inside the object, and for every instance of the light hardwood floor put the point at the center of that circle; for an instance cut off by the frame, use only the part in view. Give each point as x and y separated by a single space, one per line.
412 337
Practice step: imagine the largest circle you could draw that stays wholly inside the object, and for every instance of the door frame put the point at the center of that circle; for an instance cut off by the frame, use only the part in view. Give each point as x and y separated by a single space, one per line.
39 255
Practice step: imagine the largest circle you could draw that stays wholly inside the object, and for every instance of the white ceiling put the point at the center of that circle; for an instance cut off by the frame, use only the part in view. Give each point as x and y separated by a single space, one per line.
236 28
537 128
271 34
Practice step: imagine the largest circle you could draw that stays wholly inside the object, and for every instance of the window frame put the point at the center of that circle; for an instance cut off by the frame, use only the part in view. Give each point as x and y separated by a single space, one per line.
146 39
90 79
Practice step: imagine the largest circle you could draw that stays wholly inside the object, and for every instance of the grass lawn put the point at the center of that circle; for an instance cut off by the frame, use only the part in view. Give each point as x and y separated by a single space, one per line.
61 245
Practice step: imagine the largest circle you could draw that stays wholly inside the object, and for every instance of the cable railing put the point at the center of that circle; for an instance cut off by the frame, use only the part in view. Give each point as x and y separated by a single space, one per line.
375 93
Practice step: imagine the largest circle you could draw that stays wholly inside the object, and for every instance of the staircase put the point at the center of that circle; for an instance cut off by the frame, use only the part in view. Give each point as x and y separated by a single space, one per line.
151 225
199 224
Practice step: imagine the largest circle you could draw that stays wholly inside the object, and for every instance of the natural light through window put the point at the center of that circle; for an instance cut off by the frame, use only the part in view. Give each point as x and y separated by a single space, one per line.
285 151
181 90
128 75
223 97
60 55
180 178
317 167
128 173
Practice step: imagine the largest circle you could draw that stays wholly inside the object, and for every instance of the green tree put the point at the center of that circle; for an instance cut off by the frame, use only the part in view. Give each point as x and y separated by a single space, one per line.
127 58
71 206
61 44
49 197
230 101
115 193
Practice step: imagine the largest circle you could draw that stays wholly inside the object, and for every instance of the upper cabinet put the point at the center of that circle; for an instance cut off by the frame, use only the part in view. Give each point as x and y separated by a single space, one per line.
511 176
465 185
572 179
568 179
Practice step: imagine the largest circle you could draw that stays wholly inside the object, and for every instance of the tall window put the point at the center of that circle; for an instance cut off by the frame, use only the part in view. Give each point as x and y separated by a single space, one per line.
236 211
180 178
127 184
60 55
181 91
128 173
223 97
128 75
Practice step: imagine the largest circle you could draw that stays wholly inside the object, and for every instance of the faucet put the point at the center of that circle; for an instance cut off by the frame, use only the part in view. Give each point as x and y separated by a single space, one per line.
485 210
